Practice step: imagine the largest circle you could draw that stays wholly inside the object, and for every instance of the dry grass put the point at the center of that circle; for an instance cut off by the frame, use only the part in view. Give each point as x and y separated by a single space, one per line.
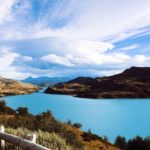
92 144
12 87
55 142
49 140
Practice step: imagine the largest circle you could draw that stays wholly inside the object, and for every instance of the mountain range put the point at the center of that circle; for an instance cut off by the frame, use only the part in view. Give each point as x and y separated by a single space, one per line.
131 83
46 81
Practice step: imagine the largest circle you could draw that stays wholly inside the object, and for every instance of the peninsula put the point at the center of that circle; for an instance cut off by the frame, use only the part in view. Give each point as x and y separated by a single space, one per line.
131 83
12 87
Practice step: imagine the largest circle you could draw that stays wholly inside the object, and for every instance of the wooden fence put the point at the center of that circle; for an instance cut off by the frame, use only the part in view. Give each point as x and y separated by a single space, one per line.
25 144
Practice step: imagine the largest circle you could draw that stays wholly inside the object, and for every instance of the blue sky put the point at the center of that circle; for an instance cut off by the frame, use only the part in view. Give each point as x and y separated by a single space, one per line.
73 37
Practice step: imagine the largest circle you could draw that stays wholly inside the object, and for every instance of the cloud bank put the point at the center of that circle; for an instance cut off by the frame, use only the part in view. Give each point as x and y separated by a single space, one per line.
57 38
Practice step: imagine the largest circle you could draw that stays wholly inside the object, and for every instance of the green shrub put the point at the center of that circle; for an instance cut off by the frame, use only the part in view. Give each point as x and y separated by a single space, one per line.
45 122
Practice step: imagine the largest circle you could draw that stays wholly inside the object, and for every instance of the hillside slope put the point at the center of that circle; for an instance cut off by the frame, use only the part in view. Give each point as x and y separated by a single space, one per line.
13 87
131 83
50 132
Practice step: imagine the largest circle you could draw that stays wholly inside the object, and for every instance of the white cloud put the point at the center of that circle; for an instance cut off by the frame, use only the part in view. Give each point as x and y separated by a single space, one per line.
108 72
77 52
85 60
52 58
141 60
7 57
137 60
26 58
13 73
81 33
5 10
83 20
99 20
130 47
22 7
80 47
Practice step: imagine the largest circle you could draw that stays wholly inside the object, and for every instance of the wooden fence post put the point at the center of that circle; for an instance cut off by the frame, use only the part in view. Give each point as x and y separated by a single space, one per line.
32 138
2 142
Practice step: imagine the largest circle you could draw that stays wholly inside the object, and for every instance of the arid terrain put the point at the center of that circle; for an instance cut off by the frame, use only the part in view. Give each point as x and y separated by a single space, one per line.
13 87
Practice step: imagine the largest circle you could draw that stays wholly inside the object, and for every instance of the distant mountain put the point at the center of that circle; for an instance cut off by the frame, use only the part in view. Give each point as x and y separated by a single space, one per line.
13 87
46 81
131 83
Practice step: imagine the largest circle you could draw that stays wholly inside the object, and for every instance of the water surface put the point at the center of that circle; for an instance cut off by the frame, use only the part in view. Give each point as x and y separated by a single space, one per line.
109 117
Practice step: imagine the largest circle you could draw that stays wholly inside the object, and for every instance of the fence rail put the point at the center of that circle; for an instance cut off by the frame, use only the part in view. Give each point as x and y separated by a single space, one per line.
20 142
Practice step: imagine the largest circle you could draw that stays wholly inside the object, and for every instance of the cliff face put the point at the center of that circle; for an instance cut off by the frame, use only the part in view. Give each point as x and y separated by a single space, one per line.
132 83
12 87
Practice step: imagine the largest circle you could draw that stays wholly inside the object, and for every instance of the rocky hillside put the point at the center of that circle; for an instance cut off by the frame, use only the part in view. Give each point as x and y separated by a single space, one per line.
13 87
132 83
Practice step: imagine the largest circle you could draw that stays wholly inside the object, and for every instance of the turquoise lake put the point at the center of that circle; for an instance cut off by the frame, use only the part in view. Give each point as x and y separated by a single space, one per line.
109 117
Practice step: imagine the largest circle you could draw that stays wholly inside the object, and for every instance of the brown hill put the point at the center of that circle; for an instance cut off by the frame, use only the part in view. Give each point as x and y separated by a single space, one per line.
13 87
131 83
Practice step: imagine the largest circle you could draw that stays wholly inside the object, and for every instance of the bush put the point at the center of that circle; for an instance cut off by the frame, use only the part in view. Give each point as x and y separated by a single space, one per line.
137 143
49 140
121 142
77 125
44 122
5 110
87 136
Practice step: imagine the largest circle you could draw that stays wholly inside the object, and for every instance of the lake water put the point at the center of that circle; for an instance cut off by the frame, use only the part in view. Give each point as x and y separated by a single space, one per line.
115 117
